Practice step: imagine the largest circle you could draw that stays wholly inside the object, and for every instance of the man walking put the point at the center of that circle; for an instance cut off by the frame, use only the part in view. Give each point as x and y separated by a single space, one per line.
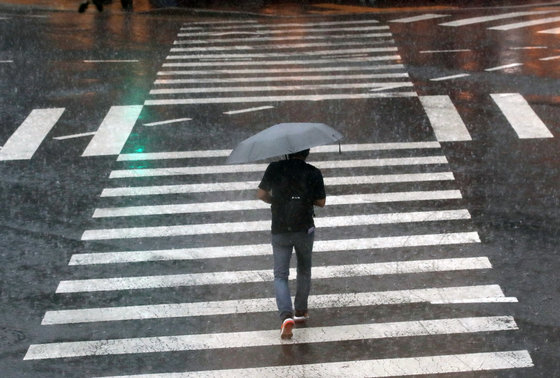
292 187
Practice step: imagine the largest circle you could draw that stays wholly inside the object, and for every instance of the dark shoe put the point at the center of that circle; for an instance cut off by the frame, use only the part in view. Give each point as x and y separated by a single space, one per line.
301 316
286 330
83 7
98 4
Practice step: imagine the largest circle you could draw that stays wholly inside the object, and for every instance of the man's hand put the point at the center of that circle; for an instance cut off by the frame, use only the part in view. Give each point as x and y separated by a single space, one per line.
264 195
320 202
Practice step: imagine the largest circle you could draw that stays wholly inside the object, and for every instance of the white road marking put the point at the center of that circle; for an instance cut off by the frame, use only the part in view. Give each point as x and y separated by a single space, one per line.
272 88
528 47
519 25
422 17
290 46
285 55
75 135
329 164
478 20
255 226
443 295
251 185
444 118
336 245
521 116
550 58
113 131
289 25
6 61
167 122
283 70
313 97
458 76
265 338
315 150
27 138
283 79
223 206
505 66
444 51
379 58
550 31
367 36
287 31
390 367
255 109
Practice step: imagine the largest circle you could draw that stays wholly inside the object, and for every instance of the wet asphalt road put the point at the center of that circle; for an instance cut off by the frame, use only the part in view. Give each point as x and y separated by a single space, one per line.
90 64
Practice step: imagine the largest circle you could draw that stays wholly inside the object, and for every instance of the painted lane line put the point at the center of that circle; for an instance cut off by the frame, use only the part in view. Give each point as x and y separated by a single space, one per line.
263 26
256 226
529 47
550 58
525 24
402 75
379 58
444 118
229 22
287 31
319 149
314 97
332 164
422 17
266 338
550 31
285 55
290 46
283 70
251 185
272 88
390 367
478 20
364 36
248 110
444 51
6 61
206 207
505 66
75 136
521 116
27 138
443 295
336 245
451 77
113 61
266 275
113 131
167 122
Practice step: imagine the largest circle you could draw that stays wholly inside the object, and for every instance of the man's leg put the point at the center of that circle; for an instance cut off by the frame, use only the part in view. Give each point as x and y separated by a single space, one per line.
304 247
282 250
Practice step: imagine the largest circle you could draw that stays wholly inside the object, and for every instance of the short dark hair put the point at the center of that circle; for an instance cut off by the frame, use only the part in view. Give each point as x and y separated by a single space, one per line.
300 154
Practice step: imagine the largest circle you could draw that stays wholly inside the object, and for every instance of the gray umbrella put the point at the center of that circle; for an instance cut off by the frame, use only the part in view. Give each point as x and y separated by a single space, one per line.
283 139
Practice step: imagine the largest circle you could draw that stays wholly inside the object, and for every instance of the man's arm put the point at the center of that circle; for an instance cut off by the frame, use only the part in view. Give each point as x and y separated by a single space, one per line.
320 202
264 196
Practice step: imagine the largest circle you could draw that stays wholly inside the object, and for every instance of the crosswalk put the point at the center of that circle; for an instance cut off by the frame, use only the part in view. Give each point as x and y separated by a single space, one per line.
187 208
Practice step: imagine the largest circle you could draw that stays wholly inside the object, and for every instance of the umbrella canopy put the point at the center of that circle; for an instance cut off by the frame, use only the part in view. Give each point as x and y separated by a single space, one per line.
283 139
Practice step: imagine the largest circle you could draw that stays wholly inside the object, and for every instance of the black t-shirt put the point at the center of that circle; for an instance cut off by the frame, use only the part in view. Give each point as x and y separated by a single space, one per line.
294 186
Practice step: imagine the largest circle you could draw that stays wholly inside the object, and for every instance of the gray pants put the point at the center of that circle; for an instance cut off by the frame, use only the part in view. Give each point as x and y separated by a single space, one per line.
282 247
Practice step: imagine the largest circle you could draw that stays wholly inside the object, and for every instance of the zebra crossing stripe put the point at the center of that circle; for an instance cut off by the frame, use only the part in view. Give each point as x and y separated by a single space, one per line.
478 20
521 116
519 25
254 226
287 25
379 58
368 36
452 363
440 296
113 131
337 245
444 118
332 164
422 17
285 55
285 31
550 31
30 134
223 206
319 149
267 338
266 275
291 46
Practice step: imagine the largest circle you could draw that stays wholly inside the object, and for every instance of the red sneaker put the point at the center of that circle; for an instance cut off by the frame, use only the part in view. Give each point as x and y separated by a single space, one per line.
286 330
